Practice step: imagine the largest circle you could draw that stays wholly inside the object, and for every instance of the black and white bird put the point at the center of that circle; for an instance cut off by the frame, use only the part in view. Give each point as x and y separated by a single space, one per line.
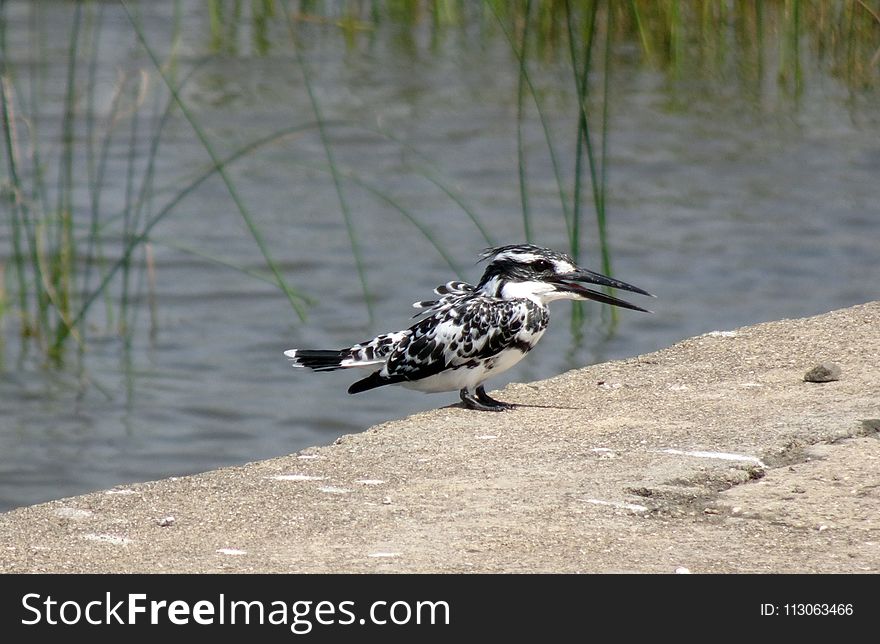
471 333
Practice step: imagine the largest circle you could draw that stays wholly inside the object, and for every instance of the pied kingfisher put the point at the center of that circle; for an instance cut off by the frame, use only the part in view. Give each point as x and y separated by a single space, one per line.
471 333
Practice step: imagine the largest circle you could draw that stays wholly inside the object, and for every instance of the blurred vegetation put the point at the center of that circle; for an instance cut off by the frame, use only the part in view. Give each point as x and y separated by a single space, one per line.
680 37
69 249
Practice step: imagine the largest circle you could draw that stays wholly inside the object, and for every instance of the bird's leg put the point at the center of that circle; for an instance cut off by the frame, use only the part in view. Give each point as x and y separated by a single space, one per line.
486 399
481 401
472 402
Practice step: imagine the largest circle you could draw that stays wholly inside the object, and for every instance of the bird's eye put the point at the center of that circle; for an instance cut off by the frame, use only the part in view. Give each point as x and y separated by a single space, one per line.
541 265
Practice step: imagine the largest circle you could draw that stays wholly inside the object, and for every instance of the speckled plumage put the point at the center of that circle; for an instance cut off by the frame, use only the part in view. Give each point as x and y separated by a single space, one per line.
470 333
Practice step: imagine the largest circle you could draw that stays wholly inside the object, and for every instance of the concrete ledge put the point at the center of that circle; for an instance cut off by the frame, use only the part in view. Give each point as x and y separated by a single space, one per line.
713 455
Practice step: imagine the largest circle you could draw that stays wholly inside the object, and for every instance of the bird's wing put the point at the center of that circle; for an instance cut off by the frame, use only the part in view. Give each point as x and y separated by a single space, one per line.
450 293
470 329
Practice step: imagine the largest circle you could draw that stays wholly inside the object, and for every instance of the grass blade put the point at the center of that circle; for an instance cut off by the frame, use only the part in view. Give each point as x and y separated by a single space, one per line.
144 235
554 161
18 215
328 151
441 184
583 131
243 211
65 250
520 116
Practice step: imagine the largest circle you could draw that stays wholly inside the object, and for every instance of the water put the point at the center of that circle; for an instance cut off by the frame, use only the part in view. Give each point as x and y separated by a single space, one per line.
733 206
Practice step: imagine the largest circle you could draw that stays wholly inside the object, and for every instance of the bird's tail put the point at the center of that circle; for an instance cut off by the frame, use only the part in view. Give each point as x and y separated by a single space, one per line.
365 354
319 359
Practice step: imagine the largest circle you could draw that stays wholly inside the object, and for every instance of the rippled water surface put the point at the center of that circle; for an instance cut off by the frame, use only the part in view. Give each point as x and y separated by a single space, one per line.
734 204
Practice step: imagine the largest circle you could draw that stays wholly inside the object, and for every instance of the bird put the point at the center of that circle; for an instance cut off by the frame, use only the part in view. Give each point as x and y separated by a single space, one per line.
472 332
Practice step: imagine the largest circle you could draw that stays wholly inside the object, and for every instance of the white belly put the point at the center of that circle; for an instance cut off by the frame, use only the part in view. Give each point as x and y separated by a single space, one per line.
465 378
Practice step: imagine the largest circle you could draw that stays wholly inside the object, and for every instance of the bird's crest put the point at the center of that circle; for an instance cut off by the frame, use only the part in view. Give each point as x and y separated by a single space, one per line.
493 251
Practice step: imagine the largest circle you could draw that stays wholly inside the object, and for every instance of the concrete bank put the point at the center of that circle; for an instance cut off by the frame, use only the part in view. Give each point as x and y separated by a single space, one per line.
713 455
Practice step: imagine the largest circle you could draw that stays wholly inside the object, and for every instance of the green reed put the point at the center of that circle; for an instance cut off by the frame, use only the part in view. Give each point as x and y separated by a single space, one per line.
522 54
580 53
331 163
525 81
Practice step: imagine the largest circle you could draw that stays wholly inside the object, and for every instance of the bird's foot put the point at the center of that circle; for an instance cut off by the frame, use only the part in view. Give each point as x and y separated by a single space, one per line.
481 401
486 399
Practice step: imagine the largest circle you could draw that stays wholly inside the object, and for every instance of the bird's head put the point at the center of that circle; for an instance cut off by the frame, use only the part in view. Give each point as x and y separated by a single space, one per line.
544 275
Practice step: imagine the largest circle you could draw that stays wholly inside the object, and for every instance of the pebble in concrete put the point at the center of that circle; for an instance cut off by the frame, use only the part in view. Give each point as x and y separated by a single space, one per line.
824 372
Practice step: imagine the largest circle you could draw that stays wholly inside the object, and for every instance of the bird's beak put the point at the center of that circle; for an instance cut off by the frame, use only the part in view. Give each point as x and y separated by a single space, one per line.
567 283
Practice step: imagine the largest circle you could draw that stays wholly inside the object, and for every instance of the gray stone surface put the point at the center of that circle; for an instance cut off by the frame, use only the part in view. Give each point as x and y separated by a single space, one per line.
712 455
